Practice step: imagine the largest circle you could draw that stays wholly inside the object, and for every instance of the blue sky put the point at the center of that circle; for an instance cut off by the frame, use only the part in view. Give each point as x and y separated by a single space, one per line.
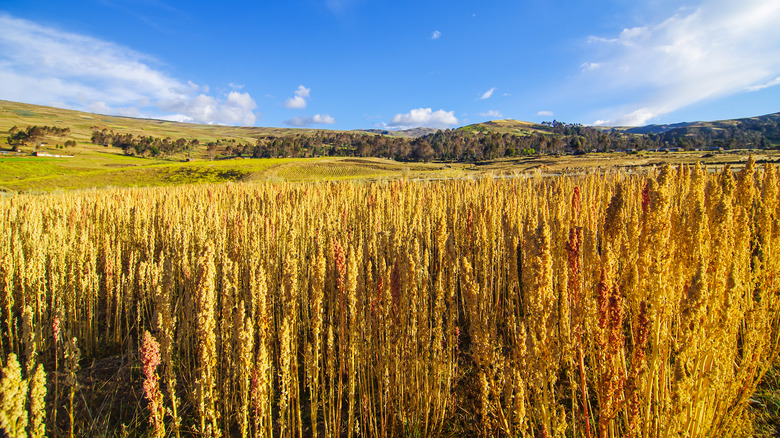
352 64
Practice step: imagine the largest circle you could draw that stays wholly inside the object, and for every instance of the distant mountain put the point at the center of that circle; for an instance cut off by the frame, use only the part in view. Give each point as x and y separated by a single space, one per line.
765 124
758 123
406 133
752 132
760 131
508 126
657 129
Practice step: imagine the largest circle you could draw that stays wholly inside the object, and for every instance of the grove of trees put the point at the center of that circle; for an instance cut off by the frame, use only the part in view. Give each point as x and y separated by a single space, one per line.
32 135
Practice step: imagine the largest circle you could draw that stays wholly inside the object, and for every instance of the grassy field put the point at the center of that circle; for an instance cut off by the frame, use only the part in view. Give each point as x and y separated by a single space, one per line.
629 162
92 168
42 174
99 166
95 168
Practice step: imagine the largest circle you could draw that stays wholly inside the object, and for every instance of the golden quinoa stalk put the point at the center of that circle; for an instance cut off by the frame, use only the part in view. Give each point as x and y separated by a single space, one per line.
166 329
542 321
654 265
72 366
315 343
28 334
637 371
245 367
207 349
354 340
575 298
263 378
38 403
289 405
227 338
13 399
150 358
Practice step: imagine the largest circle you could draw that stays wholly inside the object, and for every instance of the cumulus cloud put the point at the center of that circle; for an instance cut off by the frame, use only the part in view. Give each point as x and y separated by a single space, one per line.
545 113
44 65
424 117
492 113
717 49
317 119
435 35
296 102
236 109
299 100
487 94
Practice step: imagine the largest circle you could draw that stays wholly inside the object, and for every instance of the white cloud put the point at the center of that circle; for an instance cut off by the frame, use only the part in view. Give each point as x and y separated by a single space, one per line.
590 66
323 119
236 109
317 119
436 35
299 100
296 102
239 106
424 117
302 91
545 113
772 83
487 94
717 49
492 113
44 65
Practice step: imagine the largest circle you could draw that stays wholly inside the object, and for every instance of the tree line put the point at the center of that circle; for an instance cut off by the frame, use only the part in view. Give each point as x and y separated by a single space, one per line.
469 143
143 145
479 142
35 134
465 144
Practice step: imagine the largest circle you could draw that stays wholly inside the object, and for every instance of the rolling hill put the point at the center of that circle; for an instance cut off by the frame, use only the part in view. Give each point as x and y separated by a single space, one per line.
81 124
407 133
221 152
507 126
765 123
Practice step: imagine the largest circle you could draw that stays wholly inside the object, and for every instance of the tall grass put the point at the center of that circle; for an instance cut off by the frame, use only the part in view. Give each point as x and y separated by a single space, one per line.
605 305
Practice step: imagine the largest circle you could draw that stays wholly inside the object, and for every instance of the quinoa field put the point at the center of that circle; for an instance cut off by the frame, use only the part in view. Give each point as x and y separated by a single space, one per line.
604 305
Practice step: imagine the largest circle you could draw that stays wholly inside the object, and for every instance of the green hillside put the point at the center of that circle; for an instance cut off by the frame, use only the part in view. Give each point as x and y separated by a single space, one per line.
87 165
508 126
82 124
228 153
